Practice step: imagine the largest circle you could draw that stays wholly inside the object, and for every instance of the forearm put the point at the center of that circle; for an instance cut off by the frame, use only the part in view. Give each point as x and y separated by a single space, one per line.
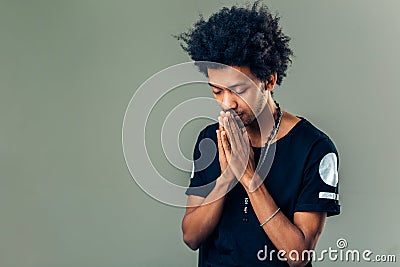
284 234
280 230
199 223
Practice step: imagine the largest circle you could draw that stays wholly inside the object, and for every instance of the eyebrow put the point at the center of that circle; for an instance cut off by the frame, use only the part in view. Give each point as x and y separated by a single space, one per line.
229 87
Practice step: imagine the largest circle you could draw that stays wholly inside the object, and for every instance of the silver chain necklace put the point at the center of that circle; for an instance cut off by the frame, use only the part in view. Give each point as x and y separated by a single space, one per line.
271 136
264 150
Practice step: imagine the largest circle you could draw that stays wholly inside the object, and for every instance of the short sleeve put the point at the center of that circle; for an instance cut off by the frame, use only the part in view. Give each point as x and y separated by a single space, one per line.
320 185
204 155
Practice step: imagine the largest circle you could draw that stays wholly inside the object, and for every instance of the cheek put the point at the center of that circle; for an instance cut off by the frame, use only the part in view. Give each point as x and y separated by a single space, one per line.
252 103
245 102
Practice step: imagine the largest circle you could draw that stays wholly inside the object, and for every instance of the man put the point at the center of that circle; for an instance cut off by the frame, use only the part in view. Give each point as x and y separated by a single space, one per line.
236 213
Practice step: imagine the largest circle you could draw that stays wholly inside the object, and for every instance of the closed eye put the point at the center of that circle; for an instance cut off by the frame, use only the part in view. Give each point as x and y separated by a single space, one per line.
215 90
242 91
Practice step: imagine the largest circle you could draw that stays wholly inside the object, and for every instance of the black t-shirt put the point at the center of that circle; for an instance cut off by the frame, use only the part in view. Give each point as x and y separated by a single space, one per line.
303 177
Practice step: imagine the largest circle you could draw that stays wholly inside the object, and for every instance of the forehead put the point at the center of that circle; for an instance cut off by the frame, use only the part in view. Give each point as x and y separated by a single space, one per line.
231 75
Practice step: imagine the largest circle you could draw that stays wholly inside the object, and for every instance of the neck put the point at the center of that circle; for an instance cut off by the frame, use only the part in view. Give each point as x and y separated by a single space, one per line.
260 129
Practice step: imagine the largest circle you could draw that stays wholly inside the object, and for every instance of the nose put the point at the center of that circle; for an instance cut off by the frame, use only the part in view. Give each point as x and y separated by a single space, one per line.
229 101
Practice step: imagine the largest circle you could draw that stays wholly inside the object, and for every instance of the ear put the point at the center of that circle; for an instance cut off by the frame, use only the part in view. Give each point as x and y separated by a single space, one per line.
270 83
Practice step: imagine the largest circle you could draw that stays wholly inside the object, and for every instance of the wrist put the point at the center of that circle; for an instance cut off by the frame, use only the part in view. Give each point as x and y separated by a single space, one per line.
251 181
223 182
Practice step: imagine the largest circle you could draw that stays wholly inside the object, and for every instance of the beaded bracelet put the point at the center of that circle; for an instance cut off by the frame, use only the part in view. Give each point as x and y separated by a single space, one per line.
270 217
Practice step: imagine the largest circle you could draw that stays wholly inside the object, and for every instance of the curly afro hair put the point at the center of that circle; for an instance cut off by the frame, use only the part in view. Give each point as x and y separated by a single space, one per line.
247 36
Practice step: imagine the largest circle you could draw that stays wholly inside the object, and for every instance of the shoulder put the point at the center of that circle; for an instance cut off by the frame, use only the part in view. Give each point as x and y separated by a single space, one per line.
316 143
309 133
307 138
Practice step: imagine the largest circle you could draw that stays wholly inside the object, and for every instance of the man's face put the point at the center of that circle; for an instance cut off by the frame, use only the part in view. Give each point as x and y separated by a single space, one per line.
237 89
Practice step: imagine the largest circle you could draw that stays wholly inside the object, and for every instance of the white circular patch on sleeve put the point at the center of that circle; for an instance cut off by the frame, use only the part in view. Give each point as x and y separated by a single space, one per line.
328 169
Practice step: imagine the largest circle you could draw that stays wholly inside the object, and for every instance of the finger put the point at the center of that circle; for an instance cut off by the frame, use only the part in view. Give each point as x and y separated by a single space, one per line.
237 133
231 132
226 127
220 147
220 124
246 137
240 146
244 147
243 133
226 145
235 129
224 130
239 122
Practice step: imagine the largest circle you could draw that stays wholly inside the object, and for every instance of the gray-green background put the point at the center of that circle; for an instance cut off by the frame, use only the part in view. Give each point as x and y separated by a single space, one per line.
68 70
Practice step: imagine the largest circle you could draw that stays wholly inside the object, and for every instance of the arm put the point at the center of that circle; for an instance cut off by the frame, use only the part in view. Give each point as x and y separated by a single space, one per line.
300 235
203 214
